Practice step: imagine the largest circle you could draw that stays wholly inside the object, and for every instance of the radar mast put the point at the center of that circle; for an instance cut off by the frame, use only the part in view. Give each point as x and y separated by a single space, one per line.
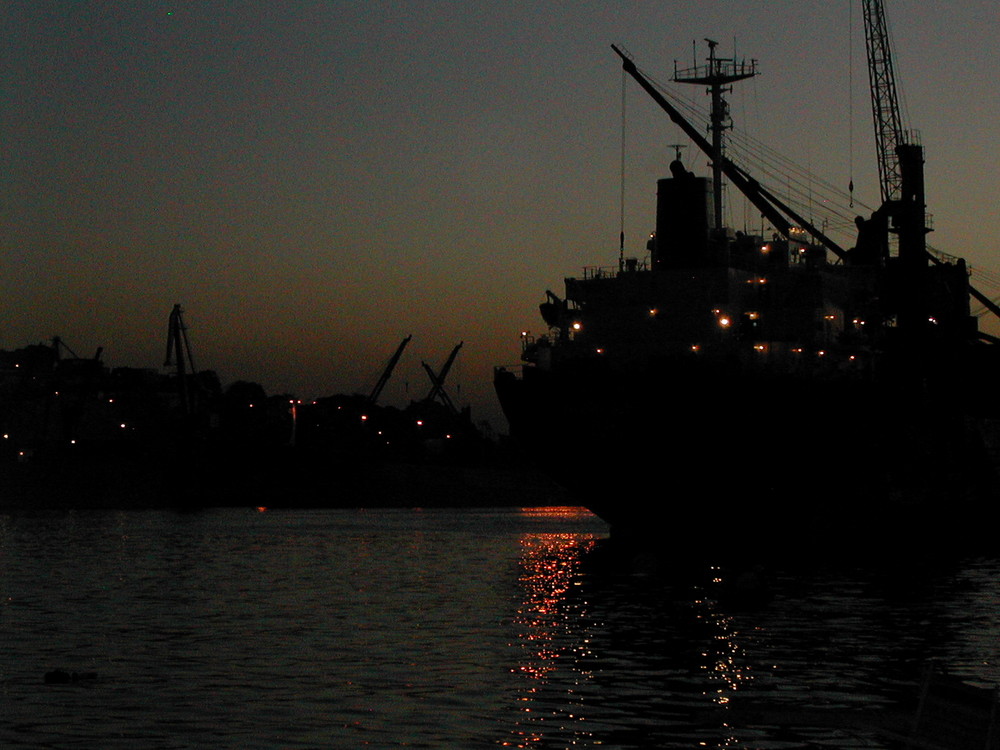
717 74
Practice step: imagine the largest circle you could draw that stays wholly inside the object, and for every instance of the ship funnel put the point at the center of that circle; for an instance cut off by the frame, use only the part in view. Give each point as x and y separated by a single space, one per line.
683 211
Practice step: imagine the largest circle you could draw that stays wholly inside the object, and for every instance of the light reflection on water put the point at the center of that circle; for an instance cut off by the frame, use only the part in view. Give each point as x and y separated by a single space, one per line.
551 633
241 628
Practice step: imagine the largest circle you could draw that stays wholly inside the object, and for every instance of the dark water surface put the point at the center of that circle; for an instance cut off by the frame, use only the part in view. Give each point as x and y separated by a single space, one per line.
455 629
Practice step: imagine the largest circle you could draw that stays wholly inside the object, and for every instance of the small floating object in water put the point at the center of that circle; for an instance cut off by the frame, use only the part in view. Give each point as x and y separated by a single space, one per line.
62 677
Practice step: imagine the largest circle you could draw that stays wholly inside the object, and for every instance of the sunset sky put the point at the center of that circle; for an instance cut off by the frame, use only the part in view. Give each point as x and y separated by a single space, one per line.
313 181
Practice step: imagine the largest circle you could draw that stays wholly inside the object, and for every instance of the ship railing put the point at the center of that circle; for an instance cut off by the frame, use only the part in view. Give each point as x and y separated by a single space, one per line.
611 272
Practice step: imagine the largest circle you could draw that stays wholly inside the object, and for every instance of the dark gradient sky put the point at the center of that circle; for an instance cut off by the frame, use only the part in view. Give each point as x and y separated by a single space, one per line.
315 180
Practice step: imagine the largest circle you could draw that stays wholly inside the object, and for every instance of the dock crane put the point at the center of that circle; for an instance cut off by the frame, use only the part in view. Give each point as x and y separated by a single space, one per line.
179 357
387 372
437 391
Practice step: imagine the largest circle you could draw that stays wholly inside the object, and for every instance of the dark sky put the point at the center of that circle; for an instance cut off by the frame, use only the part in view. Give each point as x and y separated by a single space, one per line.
315 180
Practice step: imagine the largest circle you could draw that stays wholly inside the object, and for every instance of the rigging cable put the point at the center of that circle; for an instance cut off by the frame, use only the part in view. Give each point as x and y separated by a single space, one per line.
621 233
850 97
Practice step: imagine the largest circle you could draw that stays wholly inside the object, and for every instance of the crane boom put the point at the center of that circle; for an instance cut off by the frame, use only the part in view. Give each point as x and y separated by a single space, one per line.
179 357
885 103
437 379
387 372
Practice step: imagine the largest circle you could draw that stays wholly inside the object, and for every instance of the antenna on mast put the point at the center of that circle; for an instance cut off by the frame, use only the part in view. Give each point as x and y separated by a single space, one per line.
717 74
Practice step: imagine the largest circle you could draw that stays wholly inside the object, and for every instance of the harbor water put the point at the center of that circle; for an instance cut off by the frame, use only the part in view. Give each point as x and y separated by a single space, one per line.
462 628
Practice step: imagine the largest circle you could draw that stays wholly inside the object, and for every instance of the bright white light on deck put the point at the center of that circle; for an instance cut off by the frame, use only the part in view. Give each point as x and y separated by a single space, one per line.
724 321
577 326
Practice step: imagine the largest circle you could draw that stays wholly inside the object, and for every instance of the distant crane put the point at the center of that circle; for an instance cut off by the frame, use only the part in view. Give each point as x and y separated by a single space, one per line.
387 372
58 345
179 357
437 391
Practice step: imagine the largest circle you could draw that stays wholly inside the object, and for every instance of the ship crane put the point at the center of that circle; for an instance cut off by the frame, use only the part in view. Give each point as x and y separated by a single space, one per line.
889 135
437 391
387 372
900 160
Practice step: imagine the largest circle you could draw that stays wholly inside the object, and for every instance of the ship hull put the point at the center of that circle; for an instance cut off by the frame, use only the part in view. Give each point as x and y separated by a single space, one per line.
738 458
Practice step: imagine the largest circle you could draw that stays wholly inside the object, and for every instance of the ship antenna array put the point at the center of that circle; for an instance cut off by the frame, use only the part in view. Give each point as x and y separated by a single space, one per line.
718 74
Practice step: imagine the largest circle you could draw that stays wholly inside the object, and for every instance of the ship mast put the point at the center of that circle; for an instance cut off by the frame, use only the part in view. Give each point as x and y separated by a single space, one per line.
769 205
718 75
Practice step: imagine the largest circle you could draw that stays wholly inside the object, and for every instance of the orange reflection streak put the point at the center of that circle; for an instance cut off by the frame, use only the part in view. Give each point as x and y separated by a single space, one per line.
557 511
549 622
